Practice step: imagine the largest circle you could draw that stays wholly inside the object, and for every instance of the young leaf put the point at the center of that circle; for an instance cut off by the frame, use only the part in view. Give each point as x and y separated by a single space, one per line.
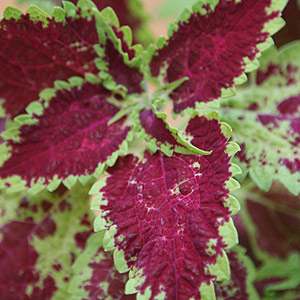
265 120
168 217
214 46
240 286
272 221
153 127
70 136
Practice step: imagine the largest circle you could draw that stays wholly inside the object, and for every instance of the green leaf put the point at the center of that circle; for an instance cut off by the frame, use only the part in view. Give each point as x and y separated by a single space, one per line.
264 118
280 279
36 233
37 14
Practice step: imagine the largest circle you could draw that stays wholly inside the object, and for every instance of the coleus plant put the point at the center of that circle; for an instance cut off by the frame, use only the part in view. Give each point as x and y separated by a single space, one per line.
81 120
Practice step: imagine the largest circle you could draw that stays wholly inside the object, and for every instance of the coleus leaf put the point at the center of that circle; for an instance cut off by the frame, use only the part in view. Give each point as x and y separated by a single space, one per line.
68 135
265 121
121 73
279 279
55 48
213 46
276 278
240 285
45 52
272 221
153 126
94 274
47 243
130 13
169 217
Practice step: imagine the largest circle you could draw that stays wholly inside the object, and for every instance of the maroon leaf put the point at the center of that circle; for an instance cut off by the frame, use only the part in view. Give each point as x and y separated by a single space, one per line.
125 47
210 49
71 137
33 57
130 77
167 209
156 128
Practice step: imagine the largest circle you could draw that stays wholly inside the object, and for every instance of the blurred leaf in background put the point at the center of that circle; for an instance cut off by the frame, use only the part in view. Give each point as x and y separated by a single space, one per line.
169 8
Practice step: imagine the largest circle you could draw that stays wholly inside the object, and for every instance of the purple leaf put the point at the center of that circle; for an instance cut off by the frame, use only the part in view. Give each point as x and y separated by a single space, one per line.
167 210
210 49
35 56
70 137
156 127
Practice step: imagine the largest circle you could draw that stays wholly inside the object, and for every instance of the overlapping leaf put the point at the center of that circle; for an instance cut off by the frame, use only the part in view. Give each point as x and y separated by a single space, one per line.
240 285
130 13
94 274
272 221
169 216
43 249
37 50
70 135
154 127
265 121
213 46
268 227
